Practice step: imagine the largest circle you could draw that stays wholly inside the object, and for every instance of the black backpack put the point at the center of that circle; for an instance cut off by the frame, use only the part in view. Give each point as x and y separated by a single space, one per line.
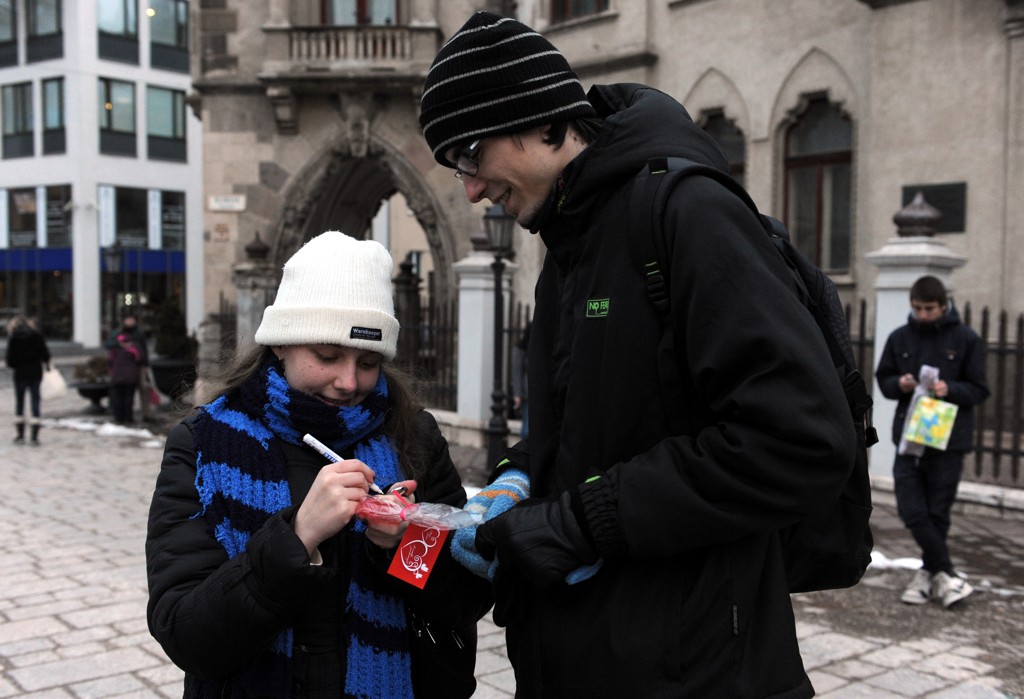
831 547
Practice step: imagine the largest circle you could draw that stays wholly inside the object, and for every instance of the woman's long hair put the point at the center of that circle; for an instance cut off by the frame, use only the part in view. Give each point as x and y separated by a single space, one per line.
400 424
20 322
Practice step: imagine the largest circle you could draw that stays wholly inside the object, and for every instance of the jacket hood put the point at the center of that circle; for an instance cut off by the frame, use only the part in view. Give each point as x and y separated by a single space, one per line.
640 123
947 320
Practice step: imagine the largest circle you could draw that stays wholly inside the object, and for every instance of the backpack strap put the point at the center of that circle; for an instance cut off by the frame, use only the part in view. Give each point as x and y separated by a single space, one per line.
651 186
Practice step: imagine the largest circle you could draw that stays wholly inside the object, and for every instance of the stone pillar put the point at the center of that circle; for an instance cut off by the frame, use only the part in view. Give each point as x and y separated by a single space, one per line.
475 280
901 262
423 13
278 16
256 282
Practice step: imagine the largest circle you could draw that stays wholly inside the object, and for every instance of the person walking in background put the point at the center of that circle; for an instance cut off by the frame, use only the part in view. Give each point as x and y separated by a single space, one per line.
633 539
27 355
130 327
123 366
926 482
263 581
520 394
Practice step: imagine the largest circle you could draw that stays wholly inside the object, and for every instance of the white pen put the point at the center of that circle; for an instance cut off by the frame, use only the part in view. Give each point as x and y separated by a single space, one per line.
330 454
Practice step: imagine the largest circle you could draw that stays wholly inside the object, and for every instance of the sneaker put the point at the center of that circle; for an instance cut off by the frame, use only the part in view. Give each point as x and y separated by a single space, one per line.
950 589
919 589
19 440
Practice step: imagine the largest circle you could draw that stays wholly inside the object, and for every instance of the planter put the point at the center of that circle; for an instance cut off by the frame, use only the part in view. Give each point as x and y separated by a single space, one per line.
94 393
173 377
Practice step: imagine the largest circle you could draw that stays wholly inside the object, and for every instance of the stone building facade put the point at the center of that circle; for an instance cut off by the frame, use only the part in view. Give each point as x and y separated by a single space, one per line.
835 113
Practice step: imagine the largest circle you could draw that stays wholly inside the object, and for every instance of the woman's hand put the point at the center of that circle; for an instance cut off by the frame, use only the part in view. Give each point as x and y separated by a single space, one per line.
387 535
331 501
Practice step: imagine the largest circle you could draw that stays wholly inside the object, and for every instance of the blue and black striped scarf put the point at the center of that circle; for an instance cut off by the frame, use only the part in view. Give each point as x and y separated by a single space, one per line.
242 479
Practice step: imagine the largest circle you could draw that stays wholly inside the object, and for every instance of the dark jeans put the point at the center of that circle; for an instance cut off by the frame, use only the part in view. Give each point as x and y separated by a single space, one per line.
925 492
19 397
122 397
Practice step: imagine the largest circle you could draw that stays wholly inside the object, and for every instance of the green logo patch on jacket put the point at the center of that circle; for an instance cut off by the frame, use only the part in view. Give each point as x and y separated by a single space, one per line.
597 308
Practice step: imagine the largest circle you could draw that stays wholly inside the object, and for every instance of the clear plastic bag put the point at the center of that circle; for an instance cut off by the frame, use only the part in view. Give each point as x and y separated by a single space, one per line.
426 514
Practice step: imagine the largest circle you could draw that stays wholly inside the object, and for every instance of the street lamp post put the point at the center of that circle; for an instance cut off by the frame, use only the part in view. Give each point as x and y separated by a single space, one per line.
498 226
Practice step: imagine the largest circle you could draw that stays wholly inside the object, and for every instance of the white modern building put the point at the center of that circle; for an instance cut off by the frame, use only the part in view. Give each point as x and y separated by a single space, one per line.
101 201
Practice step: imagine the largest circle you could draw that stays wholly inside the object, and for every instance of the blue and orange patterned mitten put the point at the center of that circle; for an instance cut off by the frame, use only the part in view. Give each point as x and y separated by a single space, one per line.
501 495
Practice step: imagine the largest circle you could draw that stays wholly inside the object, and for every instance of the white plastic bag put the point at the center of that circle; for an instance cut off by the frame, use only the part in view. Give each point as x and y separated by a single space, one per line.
53 384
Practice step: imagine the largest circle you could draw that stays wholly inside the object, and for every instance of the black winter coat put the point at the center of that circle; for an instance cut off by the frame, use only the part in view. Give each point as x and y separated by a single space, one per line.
959 355
26 354
692 599
213 615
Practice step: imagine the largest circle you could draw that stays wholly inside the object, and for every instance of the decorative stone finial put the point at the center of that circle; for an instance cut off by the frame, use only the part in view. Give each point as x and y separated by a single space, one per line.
257 250
918 218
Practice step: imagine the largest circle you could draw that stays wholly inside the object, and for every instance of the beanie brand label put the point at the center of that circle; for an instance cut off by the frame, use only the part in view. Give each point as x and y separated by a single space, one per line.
375 334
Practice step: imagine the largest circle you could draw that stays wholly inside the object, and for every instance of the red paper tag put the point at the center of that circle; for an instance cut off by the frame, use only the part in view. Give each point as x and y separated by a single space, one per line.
414 560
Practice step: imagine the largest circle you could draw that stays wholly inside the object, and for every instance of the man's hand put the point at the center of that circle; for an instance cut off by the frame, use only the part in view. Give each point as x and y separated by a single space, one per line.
542 540
908 383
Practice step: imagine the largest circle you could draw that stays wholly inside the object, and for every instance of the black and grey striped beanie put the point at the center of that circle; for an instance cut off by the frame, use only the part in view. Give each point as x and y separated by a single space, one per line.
496 76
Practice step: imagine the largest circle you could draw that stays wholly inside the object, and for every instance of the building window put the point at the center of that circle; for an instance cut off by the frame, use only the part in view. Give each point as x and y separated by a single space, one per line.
131 217
818 181
18 119
58 217
172 220
564 10
34 280
8 34
53 116
730 139
45 39
117 117
118 30
168 30
349 12
43 17
21 230
165 124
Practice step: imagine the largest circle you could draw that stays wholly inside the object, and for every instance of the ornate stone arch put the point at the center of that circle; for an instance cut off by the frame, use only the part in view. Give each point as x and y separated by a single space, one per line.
715 91
379 171
816 74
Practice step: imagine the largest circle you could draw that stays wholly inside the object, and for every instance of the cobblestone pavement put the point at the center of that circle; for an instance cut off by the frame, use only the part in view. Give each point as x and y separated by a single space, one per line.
73 586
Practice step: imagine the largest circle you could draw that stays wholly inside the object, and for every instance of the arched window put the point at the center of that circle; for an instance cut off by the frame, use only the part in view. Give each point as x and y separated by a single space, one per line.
818 181
731 140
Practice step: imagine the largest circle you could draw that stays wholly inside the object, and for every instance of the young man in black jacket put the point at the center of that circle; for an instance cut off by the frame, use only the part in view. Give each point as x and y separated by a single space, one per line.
631 556
926 479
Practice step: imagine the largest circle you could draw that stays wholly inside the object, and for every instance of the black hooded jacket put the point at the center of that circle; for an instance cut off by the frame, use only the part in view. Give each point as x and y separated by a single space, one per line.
959 355
691 600
26 354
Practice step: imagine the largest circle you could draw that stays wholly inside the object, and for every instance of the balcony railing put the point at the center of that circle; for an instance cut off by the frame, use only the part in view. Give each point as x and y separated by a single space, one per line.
397 48
350 44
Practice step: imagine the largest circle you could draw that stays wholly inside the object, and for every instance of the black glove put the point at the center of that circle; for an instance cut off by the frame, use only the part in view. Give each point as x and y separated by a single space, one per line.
542 540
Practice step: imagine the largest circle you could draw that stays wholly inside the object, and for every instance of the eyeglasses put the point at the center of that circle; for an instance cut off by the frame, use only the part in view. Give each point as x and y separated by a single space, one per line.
466 162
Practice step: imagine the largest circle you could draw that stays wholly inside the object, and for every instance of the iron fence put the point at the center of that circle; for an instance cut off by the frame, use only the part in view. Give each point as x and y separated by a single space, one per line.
429 353
432 362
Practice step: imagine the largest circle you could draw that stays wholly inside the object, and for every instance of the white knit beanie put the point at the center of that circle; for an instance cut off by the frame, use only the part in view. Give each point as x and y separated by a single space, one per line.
336 290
